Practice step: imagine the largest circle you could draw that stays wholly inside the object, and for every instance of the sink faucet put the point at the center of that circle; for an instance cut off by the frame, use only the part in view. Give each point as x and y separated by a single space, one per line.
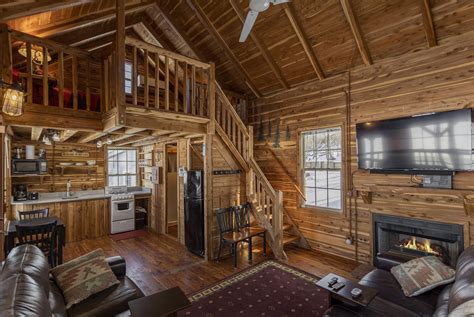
68 188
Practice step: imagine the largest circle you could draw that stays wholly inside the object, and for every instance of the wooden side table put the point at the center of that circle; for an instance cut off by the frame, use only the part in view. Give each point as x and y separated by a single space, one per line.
166 303
344 294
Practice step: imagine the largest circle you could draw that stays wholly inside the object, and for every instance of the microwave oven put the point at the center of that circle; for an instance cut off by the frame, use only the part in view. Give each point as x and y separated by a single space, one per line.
21 166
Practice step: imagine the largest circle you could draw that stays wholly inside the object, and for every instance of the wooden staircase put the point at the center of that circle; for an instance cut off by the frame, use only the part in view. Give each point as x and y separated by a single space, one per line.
267 203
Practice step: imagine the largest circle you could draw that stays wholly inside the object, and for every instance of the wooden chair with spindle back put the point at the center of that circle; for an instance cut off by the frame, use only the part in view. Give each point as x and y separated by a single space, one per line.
244 224
42 235
33 214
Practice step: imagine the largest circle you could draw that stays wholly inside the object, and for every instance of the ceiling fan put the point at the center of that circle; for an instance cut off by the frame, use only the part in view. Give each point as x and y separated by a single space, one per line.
256 6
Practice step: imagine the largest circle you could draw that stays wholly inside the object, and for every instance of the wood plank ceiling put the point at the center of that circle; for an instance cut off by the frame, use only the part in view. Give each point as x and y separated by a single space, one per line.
291 44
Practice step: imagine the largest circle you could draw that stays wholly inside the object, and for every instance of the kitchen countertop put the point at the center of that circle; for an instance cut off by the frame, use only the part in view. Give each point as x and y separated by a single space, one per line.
46 198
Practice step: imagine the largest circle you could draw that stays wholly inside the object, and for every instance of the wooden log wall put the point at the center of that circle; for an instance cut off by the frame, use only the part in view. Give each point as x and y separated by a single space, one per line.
79 177
438 79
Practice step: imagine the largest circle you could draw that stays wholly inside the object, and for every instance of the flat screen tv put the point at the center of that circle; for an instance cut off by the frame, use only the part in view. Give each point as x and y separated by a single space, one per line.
426 143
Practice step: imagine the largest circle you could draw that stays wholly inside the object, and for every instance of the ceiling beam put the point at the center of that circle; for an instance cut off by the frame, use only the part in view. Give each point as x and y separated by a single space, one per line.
201 15
36 133
20 10
66 135
290 13
161 9
91 137
262 48
74 23
428 24
356 32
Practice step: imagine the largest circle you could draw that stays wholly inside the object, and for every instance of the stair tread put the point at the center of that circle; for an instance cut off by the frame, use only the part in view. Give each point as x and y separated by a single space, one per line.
287 226
289 238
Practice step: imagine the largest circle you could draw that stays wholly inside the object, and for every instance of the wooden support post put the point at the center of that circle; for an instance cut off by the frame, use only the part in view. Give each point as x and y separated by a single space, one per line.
5 54
185 88
211 107
120 61
208 194
45 77
106 85
277 223
193 90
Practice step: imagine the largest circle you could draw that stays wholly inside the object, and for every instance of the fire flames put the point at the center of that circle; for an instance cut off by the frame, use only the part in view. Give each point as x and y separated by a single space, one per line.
414 244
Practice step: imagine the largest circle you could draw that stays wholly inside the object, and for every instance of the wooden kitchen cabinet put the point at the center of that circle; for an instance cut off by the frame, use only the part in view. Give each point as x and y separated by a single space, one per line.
84 219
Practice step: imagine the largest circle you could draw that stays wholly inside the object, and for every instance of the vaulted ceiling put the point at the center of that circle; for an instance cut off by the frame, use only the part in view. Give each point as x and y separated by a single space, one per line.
290 44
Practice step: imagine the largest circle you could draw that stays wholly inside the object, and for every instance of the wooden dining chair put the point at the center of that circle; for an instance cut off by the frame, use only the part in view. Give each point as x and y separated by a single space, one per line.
33 214
42 235
244 224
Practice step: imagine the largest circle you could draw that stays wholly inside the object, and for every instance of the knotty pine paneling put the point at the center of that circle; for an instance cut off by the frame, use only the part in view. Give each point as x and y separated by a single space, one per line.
79 177
438 79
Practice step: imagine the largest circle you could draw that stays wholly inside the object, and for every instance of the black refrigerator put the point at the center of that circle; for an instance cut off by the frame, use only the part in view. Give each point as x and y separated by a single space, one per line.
194 211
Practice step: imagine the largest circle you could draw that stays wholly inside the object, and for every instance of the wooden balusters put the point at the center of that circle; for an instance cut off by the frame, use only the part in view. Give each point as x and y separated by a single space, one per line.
157 80
74 83
145 81
176 86
134 76
61 78
88 83
29 73
45 78
167 83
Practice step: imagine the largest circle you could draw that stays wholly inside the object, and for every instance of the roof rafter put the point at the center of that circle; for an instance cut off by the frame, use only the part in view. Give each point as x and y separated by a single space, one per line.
355 28
428 24
201 15
290 13
263 50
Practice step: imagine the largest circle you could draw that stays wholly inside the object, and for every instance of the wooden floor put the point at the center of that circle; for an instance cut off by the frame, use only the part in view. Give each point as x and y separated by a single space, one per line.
157 262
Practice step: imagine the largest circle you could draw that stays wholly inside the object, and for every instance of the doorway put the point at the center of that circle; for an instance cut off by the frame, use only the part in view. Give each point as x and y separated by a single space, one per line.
171 190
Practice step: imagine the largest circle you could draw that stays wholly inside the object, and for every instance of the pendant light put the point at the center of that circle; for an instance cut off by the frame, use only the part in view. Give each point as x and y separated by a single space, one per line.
12 99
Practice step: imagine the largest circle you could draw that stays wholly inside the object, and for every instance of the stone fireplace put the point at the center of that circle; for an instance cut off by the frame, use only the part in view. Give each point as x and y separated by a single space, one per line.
400 239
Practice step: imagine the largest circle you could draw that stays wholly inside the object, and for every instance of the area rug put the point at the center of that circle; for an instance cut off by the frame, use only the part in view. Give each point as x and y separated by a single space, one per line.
270 288
128 235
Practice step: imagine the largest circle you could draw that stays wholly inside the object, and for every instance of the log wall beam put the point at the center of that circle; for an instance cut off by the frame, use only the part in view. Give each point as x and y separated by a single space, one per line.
356 32
428 24
201 15
290 13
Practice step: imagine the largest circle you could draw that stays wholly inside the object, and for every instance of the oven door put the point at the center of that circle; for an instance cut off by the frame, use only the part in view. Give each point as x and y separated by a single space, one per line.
122 209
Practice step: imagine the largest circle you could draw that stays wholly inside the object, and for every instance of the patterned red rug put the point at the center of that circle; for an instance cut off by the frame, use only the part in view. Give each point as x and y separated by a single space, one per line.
267 289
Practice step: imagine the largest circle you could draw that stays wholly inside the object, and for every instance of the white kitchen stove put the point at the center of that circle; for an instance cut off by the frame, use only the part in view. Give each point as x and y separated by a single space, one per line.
122 209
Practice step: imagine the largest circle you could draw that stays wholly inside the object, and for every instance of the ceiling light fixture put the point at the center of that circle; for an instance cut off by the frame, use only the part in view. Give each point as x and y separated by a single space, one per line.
37 54
12 98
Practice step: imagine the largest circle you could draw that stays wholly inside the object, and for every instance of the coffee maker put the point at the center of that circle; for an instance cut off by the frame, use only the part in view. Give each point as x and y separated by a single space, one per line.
20 192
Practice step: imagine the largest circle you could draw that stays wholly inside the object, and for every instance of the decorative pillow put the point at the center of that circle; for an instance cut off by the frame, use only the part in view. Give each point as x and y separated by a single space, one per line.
84 276
422 274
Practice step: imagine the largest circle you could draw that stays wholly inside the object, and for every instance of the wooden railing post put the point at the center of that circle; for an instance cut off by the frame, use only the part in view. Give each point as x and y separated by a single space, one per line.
211 111
277 221
5 54
120 61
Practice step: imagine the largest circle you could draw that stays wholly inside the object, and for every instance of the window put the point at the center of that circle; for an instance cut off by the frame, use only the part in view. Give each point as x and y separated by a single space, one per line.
122 167
128 78
321 167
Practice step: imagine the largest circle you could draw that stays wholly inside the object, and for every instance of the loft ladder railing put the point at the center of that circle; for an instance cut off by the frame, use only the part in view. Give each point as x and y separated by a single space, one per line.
267 202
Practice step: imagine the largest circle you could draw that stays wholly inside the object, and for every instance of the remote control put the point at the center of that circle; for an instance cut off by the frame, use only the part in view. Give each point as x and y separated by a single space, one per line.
338 286
332 281
356 292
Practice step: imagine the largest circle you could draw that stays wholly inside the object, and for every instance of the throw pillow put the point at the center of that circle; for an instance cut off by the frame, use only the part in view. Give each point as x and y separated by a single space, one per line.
422 274
84 276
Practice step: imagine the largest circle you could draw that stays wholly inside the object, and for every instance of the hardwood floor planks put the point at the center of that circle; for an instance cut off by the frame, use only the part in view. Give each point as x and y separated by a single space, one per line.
156 262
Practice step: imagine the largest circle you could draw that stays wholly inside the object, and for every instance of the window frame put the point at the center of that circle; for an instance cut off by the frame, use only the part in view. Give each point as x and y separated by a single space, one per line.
137 182
127 79
301 169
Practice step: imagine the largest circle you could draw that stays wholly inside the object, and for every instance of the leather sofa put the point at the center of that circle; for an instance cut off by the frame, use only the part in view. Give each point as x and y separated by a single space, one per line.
390 300
27 288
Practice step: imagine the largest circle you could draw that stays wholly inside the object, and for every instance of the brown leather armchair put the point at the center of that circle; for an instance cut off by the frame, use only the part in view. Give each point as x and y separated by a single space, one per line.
27 288
390 300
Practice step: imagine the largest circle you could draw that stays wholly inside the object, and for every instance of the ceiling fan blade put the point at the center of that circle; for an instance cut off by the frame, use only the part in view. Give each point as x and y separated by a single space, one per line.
249 22
275 2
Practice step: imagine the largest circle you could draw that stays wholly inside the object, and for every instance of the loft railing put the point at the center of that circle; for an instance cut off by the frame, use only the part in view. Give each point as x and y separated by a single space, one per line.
54 74
158 79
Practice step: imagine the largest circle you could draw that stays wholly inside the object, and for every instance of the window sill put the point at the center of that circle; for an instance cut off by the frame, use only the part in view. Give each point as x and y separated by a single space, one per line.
324 210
